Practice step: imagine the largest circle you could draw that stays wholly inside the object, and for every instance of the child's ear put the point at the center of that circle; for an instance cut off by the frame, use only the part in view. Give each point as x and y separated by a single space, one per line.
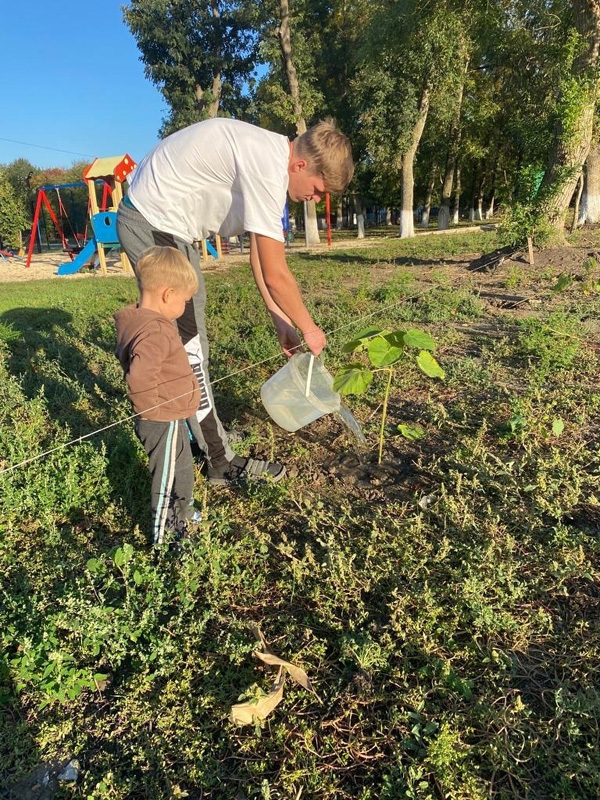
166 295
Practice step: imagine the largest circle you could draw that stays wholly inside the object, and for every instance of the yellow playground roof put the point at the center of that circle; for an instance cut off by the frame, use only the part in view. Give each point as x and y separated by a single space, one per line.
114 166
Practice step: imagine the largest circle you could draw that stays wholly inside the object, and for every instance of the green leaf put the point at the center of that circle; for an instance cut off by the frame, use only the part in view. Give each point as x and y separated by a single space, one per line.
558 427
563 282
353 346
412 432
138 577
361 340
385 350
427 364
353 379
420 339
123 554
368 333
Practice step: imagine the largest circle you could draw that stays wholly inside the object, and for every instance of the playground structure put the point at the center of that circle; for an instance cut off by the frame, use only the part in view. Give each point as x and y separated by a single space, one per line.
110 173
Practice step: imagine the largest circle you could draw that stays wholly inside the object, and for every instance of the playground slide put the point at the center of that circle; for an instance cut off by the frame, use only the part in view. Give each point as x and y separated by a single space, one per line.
81 259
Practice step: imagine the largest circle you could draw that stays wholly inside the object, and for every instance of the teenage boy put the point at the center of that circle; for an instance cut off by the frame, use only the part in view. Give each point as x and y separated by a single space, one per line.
224 176
161 385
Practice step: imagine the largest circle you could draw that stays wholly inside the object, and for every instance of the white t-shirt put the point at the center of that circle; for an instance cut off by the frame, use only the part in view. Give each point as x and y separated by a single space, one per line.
218 176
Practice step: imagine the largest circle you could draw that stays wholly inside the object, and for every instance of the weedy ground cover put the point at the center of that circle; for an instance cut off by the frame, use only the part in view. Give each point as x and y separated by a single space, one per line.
444 603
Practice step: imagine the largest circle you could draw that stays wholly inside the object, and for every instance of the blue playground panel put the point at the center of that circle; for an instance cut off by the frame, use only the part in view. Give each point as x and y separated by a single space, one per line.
105 227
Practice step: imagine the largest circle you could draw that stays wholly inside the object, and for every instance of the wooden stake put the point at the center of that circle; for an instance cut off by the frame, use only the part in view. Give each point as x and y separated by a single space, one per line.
530 248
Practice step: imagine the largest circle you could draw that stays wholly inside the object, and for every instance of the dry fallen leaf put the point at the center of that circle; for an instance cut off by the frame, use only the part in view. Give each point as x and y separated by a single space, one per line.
247 713
295 672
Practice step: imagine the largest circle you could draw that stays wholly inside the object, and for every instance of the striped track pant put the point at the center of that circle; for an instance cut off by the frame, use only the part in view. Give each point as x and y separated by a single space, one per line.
172 469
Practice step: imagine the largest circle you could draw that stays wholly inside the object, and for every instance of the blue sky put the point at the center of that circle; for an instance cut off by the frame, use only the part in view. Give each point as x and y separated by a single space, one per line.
72 80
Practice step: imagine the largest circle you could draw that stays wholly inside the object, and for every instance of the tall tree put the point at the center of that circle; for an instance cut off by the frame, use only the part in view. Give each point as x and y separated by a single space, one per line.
287 97
21 174
200 55
576 105
407 63
285 41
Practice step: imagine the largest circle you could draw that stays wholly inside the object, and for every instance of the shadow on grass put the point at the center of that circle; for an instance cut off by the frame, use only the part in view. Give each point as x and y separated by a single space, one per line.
18 751
44 358
47 359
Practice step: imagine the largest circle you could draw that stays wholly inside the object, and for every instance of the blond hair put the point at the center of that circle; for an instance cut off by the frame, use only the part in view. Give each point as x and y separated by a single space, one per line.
328 153
165 266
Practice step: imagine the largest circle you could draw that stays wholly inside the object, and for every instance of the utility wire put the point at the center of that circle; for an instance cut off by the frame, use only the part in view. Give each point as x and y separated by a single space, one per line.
43 147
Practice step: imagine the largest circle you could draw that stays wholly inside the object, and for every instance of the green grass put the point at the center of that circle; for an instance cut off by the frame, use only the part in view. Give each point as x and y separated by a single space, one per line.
448 617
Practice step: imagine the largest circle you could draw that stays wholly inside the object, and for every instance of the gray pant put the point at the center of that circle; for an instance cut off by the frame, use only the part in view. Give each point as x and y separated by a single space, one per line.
136 235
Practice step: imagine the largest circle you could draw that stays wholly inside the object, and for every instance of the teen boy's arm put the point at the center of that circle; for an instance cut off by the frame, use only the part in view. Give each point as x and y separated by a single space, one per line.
282 297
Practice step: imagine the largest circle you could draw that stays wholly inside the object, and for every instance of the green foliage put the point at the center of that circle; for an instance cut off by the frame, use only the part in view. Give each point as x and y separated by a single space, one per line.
412 432
12 214
385 349
186 46
551 345
447 617
523 221
17 172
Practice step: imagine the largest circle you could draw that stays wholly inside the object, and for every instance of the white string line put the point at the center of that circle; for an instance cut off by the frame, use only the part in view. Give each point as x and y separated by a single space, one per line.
218 380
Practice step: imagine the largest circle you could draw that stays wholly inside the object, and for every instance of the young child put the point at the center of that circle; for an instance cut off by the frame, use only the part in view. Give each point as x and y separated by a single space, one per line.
161 385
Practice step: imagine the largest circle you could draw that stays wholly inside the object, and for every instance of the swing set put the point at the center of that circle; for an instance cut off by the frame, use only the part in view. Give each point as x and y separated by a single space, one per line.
42 202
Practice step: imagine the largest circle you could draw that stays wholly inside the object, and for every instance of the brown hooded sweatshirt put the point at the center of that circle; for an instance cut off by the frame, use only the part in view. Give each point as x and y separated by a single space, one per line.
156 366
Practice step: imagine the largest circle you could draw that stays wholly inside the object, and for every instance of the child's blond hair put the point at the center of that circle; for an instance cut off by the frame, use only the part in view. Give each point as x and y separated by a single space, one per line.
165 266
328 153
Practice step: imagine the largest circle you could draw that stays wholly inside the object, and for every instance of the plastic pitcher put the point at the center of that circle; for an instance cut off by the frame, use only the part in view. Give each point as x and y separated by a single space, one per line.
301 392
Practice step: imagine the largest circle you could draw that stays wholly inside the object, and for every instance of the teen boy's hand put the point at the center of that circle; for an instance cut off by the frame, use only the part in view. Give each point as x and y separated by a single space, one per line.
315 340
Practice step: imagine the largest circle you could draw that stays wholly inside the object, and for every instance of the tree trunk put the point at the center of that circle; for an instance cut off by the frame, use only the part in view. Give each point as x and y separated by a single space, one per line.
407 223
490 209
217 81
428 195
452 154
457 191
480 187
580 184
360 217
572 138
285 41
339 215
473 195
590 207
